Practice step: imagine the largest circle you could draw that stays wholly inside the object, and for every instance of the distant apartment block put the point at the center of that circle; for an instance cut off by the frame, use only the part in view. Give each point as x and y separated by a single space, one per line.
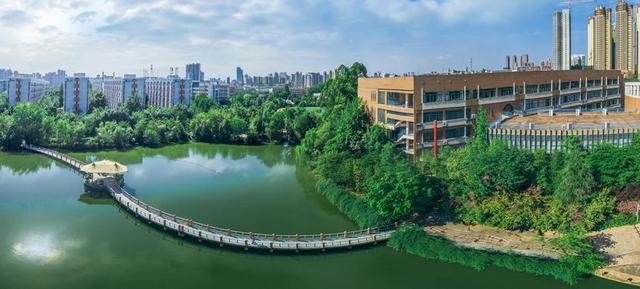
4 84
76 94
562 40
194 72
56 79
409 107
25 89
167 92
118 90
219 92
625 33
632 96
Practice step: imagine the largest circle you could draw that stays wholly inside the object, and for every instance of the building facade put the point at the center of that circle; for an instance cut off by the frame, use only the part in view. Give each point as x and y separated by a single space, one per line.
562 40
76 94
602 39
625 39
194 72
4 85
167 92
632 97
118 90
410 107
219 92
239 75
549 131
25 89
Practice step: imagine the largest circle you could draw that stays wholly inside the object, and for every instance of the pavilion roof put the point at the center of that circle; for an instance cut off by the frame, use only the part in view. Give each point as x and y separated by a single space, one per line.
105 167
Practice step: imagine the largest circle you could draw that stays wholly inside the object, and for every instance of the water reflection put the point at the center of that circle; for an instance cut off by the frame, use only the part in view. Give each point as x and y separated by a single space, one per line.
39 248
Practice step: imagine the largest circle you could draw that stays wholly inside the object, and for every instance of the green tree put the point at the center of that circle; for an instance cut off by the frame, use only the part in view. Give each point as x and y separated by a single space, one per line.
97 100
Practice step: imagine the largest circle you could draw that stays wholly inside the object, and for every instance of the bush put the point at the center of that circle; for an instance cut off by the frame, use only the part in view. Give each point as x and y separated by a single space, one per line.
355 208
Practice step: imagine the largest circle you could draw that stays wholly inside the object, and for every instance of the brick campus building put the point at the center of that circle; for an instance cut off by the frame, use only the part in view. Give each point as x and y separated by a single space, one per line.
408 106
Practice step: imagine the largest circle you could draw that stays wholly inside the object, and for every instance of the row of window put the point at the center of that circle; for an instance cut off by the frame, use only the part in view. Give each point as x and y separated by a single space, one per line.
427 136
431 116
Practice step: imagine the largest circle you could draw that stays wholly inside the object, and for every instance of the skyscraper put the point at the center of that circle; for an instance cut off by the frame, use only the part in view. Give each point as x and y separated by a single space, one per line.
624 38
194 73
602 39
562 40
590 43
239 75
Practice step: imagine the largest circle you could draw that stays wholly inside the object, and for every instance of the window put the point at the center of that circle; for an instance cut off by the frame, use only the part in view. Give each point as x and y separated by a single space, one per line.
431 116
612 91
571 97
505 91
381 115
575 84
594 94
454 132
455 95
472 94
455 114
532 88
545 87
612 81
427 136
565 85
394 98
487 93
381 97
430 97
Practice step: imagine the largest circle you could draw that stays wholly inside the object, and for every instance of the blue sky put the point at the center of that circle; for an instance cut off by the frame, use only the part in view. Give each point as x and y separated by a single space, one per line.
125 36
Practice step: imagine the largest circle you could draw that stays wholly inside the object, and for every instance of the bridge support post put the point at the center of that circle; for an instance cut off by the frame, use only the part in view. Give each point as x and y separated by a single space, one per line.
149 219
375 241
271 247
323 248
164 225
200 236
297 248
221 243
349 242
246 245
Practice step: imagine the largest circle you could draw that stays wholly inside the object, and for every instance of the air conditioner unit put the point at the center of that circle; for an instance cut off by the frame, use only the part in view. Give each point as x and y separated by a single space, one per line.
444 123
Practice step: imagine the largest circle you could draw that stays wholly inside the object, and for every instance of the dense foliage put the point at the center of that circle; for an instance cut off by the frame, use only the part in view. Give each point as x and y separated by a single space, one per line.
579 262
246 118
568 190
360 158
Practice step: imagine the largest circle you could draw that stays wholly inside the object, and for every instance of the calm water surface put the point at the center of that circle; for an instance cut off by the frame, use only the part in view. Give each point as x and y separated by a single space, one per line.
57 235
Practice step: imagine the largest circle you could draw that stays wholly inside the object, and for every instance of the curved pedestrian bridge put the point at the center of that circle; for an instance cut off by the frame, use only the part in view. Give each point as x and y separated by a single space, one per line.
221 236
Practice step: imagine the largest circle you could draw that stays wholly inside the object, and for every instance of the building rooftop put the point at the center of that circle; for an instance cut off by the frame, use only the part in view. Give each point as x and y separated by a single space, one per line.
573 121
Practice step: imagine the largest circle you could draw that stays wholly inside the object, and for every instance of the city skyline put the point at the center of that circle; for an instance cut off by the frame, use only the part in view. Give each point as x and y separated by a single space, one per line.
90 37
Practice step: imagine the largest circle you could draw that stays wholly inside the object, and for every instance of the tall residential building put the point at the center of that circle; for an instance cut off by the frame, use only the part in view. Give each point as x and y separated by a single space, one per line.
524 60
562 40
590 40
410 107
76 93
118 90
624 38
25 89
578 60
55 79
167 92
4 84
194 72
219 92
239 75
602 39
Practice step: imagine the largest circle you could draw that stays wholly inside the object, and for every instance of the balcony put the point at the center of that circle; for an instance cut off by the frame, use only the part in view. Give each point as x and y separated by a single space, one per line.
572 103
447 123
443 104
612 96
497 99
593 88
570 90
449 141
538 95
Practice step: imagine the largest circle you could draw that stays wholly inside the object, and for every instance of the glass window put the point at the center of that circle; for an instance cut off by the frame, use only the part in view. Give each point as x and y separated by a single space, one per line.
472 93
454 132
381 97
381 115
430 97
430 116
545 87
455 95
486 93
394 98
505 91
455 114
427 136
565 85
532 88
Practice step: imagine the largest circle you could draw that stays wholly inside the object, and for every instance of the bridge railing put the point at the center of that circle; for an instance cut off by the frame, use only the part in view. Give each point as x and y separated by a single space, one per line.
56 155
114 188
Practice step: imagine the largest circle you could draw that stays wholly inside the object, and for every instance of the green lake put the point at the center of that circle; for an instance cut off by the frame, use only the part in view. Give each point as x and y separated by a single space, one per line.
57 235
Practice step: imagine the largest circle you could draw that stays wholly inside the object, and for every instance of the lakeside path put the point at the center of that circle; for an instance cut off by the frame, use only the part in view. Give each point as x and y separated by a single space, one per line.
621 246
494 239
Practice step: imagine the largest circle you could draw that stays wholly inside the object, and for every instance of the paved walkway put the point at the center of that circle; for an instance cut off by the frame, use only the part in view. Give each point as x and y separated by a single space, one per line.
621 245
494 239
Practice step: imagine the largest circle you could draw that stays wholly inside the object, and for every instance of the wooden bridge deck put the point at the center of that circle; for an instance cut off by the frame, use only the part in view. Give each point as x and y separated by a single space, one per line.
221 236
